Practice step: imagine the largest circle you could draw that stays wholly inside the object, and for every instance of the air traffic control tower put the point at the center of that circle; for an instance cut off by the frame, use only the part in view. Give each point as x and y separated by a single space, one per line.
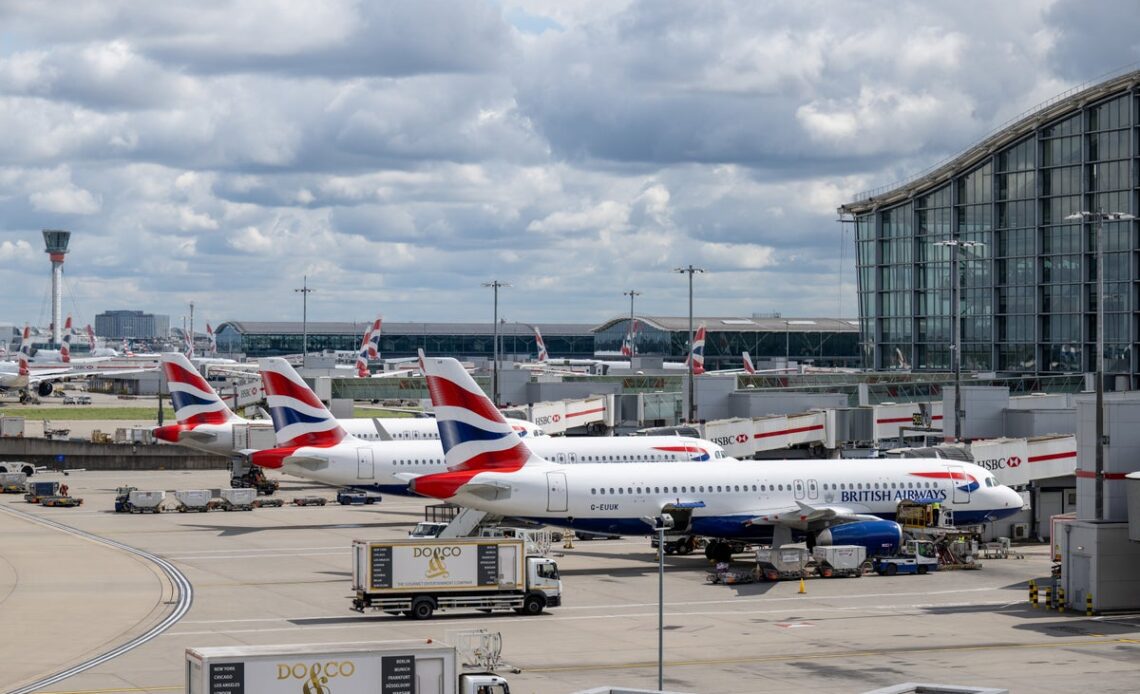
55 241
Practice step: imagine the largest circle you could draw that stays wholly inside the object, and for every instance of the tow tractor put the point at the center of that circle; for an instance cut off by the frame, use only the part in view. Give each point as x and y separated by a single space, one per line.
915 557
243 475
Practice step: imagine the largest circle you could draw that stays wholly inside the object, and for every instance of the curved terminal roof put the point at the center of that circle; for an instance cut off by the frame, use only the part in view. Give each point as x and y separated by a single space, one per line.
1061 106
402 328
741 325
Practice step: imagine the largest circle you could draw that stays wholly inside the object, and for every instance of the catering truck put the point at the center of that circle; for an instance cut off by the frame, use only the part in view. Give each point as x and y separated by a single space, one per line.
423 668
415 577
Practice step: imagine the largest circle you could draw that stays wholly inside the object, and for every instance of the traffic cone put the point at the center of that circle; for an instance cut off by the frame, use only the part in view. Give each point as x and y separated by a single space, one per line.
803 588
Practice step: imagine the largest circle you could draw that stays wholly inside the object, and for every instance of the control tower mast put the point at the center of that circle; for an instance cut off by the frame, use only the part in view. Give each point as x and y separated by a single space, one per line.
56 241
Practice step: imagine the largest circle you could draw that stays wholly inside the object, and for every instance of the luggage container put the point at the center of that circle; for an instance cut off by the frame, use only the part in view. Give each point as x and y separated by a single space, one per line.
840 560
237 499
13 482
193 500
782 563
38 491
145 501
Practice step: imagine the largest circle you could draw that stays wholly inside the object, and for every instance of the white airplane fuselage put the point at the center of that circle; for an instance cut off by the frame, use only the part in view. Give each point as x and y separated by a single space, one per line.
389 466
726 495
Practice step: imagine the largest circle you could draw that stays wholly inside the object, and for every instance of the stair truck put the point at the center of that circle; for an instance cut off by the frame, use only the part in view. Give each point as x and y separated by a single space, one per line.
915 557
421 667
415 577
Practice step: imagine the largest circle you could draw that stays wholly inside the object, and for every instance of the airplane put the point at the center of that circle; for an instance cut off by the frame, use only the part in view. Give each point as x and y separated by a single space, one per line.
22 375
204 422
314 445
824 502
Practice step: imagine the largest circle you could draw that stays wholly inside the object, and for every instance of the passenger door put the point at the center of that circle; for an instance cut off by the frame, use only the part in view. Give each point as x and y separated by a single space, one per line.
798 487
365 470
556 491
813 490
961 493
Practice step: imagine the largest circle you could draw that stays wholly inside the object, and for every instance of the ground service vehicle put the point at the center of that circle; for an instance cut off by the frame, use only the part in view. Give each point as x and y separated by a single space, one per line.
417 577
355 669
355 497
193 500
131 500
13 482
426 529
246 476
38 491
915 557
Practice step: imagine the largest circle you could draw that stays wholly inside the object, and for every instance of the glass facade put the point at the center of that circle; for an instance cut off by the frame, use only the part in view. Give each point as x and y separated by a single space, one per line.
1026 271
724 347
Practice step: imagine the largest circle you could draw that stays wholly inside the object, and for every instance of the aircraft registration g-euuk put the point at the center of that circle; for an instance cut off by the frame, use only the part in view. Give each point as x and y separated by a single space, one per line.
826 502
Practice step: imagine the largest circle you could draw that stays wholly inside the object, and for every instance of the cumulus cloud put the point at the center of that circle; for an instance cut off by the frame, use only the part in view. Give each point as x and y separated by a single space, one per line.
401 153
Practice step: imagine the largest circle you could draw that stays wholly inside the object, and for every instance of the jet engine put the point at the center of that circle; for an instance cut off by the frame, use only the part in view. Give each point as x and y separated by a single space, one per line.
879 537
44 388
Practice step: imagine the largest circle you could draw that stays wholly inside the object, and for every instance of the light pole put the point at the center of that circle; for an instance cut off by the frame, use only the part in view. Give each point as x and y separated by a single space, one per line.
495 285
690 271
956 246
660 524
304 317
632 335
1099 217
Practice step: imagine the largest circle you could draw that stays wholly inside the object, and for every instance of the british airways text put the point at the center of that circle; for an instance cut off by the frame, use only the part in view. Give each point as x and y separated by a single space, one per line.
891 495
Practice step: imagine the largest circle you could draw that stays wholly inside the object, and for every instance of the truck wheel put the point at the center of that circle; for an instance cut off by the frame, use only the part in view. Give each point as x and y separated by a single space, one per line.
826 571
422 608
532 605
892 569
921 570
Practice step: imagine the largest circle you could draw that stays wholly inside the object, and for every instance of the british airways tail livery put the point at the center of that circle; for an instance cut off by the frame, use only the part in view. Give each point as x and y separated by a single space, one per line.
200 413
299 417
748 366
369 349
697 354
543 355
387 466
213 339
853 501
65 346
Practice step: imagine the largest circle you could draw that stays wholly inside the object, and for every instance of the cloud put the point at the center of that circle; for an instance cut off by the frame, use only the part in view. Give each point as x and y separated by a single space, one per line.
401 153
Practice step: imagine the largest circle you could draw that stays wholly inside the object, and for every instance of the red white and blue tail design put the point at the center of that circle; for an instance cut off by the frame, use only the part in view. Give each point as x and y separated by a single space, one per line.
90 339
25 354
372 339
299 417
213 339
65 346
698 352
749 368
195 401
543 355
475 435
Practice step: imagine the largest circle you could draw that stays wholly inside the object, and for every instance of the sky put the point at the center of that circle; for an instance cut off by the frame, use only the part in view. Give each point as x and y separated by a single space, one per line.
401 154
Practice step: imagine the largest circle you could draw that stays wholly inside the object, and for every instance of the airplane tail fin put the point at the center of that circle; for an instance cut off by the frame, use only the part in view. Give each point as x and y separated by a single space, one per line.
213 339
195 401
476 437
698 351
90 338
749 368
373 339
542 353
25 352
299 417
65 346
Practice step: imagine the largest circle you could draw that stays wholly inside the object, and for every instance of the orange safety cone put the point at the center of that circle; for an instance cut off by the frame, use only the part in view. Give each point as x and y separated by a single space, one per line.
803 588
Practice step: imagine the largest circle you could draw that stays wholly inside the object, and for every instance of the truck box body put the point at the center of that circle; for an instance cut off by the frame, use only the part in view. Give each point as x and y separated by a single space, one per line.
363 669
14 480
438 566
43 488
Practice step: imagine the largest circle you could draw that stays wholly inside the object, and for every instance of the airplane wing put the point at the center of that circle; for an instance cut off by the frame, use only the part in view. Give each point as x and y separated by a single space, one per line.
807 517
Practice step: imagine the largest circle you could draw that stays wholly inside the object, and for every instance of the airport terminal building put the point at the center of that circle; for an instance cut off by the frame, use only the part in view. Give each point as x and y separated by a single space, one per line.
820 341
1027 269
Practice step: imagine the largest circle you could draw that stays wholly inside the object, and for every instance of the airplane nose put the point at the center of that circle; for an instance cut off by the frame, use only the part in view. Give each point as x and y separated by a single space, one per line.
1013 499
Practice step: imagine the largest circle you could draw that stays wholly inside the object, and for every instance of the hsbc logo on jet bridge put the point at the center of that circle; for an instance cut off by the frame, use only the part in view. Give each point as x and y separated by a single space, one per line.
730 440
992 464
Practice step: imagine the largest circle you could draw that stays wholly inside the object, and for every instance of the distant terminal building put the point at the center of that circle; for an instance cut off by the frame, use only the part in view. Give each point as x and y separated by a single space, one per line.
822 341
132 324
826 342
399 340
1027 270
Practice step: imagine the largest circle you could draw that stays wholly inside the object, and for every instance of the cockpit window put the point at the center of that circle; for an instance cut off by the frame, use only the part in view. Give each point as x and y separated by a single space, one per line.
989 481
